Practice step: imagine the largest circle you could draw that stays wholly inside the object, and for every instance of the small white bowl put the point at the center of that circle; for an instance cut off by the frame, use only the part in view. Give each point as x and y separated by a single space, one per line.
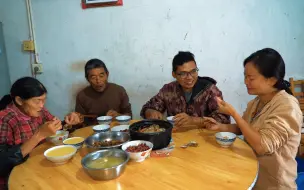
77 145
138 156
123 119
171 120
60 159
225 139
106 120
57 139
121 128
101 128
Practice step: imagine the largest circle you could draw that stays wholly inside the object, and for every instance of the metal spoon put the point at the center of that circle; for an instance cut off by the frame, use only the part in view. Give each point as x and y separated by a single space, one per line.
190 144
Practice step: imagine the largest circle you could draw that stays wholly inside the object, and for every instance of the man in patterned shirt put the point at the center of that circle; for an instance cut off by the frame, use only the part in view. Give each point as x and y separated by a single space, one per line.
189 98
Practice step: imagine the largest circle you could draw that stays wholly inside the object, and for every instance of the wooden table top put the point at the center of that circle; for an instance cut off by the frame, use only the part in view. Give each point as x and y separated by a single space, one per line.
207 166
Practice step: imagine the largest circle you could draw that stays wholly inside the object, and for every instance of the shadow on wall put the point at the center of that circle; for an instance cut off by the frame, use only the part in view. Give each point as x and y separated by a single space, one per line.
78 66
74 90
78 85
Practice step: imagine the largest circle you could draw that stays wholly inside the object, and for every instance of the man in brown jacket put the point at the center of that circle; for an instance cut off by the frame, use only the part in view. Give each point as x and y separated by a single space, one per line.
101 97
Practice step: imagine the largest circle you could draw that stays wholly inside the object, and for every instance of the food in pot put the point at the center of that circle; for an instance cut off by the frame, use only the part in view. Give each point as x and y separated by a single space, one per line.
107 143
139 148
151 129
125 130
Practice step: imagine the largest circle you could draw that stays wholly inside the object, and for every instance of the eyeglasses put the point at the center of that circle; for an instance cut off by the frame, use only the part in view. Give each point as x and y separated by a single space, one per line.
192 73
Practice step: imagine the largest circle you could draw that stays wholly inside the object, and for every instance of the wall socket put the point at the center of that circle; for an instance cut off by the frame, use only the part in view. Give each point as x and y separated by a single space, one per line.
28 45
37 68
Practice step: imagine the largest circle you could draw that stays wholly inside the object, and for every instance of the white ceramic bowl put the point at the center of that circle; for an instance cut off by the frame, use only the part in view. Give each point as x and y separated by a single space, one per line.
120 128
137 156
60 159
123 119
77 145
106 120
101 128
58 138
225 139
170 119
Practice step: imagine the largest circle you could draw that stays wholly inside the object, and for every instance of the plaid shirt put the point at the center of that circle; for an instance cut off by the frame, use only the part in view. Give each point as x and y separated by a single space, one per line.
16 127
171 98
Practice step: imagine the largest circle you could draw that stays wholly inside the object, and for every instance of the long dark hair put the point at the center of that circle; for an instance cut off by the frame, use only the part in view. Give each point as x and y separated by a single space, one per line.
270 64
25 88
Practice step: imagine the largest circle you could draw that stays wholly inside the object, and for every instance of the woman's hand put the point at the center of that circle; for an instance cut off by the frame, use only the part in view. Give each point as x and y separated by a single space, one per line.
224 107
49 128
73 118
211 124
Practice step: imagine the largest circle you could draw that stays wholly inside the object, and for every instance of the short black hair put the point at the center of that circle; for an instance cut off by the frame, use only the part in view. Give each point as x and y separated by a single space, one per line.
181 58
93 64
270 63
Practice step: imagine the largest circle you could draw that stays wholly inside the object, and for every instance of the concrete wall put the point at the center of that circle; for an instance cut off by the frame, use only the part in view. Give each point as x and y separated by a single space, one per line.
138 41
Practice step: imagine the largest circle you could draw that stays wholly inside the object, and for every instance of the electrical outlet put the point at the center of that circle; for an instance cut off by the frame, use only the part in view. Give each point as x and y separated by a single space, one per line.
28 45
37 68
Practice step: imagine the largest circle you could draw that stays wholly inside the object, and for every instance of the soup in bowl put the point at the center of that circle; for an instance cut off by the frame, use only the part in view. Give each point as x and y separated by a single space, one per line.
105 164
60 154
74 141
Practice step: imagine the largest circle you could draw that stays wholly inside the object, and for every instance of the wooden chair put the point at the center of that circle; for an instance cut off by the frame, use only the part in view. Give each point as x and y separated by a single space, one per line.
297 88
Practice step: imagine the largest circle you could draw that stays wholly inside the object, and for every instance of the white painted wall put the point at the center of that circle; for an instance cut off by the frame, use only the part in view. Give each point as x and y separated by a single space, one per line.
138 41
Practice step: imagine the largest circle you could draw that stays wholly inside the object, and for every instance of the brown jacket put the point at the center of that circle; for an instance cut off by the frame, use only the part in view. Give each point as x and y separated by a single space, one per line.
114 97
279 124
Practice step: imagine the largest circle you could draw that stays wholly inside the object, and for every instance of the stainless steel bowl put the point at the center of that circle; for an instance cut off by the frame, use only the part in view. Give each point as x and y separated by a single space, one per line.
106 136
106 173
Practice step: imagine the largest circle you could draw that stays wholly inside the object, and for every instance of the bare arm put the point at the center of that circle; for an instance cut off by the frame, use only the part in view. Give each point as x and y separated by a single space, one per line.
47 129
212 107
30 144
252 136
274 131
233 128
214 125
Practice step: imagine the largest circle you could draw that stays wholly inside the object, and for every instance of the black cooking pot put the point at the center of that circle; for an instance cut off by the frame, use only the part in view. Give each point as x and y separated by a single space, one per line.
159 139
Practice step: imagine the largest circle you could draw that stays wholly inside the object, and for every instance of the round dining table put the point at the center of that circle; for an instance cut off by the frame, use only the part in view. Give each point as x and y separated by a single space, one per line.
207 166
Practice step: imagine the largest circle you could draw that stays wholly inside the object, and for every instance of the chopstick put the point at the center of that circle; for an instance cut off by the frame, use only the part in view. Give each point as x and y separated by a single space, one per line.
90 116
